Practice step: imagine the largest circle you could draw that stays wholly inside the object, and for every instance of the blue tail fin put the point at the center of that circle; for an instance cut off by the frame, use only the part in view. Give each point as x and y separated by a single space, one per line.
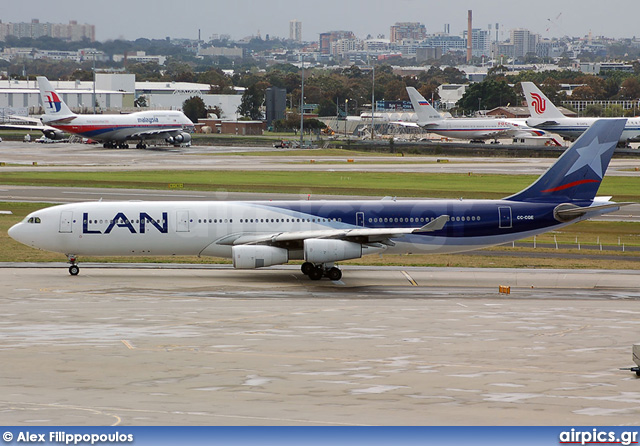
577 174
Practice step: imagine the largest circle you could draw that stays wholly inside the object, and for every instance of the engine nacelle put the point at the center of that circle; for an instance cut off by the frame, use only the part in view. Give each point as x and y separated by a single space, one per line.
53 134
179 139
326 250
257 256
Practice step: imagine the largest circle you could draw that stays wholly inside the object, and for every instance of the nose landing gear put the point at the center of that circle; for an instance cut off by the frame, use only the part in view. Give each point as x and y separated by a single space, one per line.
74 269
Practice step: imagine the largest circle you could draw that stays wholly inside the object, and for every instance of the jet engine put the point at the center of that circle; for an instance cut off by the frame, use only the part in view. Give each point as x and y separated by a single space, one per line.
53 134
257 256
179 139
327 250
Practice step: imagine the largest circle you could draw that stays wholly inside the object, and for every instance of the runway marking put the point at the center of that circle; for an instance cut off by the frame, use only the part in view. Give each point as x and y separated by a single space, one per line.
129 346
409 278
132 194
105 411
96 411
563 332
462 305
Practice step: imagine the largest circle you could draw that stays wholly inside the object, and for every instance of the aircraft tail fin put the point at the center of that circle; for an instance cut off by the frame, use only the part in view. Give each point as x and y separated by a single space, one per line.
577 174
55 108
539 105
426 113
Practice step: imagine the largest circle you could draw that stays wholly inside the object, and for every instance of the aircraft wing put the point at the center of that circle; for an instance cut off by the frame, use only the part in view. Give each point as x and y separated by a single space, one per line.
157 132
494 134
359 235
405 124
26 119
536 122
24 127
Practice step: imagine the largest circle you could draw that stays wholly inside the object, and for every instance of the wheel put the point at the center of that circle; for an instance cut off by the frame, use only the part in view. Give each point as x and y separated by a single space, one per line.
334 274
316 274
638 373
306 268
74 270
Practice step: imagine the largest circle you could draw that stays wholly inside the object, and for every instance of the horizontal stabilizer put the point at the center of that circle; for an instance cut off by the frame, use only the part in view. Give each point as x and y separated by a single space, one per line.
567 212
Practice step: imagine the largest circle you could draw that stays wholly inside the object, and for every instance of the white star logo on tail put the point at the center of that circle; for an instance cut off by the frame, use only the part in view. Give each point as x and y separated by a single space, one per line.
591 156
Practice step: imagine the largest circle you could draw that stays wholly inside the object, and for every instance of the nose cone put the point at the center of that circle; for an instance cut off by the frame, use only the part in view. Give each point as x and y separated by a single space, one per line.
17 233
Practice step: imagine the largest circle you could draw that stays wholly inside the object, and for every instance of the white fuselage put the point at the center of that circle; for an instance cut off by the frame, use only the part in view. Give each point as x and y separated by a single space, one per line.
123 127
213 228
572 128
480 128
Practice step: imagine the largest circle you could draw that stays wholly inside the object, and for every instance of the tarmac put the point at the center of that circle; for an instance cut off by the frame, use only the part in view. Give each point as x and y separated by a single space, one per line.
209 345
149 344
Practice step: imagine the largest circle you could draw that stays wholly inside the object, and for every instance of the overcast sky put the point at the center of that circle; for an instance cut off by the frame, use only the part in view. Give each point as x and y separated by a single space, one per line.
132 19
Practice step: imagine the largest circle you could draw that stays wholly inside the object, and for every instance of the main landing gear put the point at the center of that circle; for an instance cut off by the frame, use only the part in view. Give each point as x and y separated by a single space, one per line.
318 271
115 145
74 269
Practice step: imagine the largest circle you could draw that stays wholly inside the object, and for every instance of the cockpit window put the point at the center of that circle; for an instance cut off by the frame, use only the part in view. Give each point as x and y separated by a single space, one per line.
35 220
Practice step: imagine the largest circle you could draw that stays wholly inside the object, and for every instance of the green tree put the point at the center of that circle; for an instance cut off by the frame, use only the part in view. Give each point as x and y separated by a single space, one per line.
613 111
594 110
252 100
194 108
487 95
630 88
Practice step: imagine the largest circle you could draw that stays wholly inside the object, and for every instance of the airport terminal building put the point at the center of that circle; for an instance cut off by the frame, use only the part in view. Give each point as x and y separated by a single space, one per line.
114 93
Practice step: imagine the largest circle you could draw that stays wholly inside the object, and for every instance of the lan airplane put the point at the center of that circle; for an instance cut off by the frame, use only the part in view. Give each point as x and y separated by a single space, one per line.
475 129
258 234
112 130
547 117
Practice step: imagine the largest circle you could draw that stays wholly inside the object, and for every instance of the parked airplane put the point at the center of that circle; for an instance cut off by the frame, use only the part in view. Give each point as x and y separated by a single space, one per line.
113 130
475 129
547 117
257 234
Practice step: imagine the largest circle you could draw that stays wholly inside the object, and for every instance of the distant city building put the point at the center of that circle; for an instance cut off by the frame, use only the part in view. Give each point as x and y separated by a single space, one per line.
425 54
295 31
213 51
446 42
326 39
139 57
72 31
343 46
524 42
13 54
481 42
407 30
275 102
599 67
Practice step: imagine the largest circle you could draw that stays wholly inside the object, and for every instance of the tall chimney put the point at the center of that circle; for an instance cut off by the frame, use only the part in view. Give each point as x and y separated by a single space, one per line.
469 36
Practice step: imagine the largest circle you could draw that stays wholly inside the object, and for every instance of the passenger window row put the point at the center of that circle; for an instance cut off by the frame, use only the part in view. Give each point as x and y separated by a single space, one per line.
418 219
272 220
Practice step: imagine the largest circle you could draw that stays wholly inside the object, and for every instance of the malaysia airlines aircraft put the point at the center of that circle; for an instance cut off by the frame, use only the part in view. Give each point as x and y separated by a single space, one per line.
547 117
258 234
475 129
113 130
